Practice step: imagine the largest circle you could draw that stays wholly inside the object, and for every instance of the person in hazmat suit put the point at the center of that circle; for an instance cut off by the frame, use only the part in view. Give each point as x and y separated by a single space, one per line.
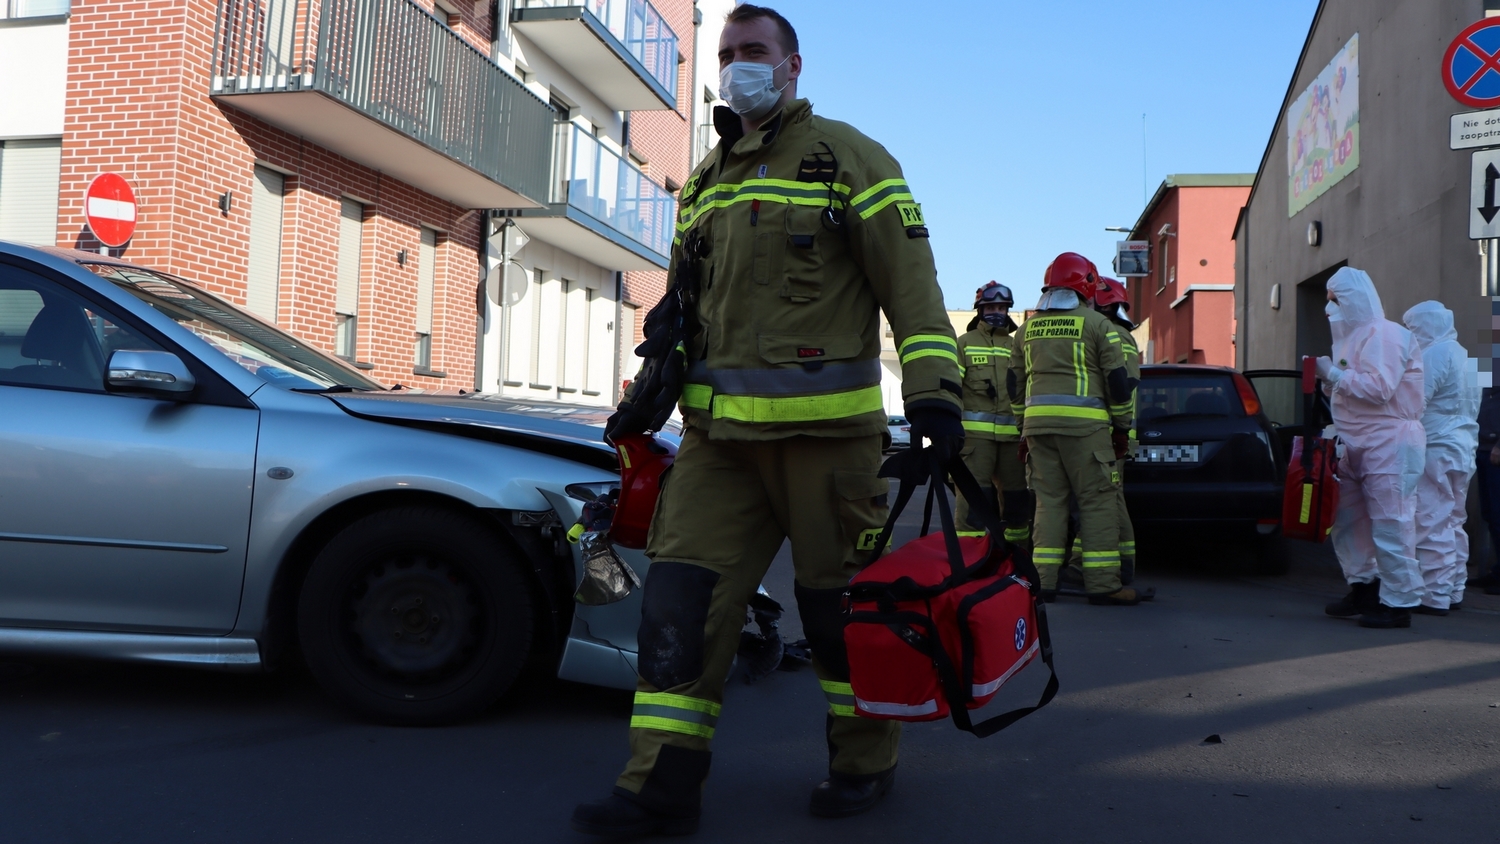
1374 382
1451 422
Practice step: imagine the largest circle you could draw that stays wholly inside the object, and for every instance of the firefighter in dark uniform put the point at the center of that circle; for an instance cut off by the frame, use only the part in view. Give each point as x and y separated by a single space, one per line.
1072 378
991 428
798 231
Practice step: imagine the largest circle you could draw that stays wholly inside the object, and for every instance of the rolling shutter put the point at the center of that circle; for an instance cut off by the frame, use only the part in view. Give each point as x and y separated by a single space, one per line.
266 200
29 174
426 280
351 243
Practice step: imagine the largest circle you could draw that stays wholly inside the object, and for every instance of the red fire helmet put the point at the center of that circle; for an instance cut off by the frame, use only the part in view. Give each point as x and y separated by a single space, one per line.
643 460
1111 292
1071 271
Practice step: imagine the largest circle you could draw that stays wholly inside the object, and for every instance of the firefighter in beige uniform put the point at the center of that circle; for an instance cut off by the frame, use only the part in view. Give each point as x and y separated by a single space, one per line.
803 230
1070 373
991 430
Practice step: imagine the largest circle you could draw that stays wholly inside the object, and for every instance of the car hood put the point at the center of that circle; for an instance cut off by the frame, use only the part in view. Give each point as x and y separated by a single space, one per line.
568 431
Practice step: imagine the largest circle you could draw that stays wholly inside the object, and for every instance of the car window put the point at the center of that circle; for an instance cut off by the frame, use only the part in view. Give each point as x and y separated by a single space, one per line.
1186 396
51 337
1280 397
267 352
896 420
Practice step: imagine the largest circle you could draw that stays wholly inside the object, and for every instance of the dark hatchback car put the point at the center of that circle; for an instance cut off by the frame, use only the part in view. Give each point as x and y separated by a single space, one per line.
1212 454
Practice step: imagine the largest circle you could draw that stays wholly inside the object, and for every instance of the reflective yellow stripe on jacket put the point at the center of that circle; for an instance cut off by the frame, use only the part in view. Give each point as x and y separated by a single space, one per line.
928 345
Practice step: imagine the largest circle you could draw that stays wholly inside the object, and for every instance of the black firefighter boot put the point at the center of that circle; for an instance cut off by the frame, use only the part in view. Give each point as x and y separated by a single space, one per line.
1384 617
842 795
1362 598
617 815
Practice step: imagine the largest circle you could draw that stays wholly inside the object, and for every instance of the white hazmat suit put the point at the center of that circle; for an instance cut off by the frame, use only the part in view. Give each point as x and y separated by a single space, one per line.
1451 420
1375 390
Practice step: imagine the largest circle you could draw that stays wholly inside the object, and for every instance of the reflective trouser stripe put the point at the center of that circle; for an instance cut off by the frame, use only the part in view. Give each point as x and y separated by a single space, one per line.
675 714
971 533
1034 411
840 697
799 408
1048 556
1017 534
1100 559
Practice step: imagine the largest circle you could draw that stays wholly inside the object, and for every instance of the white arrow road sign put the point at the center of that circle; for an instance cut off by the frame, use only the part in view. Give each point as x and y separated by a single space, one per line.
1484 183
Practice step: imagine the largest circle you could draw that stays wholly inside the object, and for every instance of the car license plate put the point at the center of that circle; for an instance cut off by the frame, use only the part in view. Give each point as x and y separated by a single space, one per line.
1166 454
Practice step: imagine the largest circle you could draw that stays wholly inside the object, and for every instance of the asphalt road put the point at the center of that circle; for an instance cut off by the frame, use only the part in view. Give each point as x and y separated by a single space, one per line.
1329 733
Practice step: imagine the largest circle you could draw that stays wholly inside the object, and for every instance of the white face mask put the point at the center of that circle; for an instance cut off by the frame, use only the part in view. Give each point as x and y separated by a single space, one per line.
747 88
1332 309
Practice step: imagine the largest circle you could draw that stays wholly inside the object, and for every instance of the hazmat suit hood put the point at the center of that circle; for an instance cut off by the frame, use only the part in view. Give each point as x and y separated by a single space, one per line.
1451 386
1359 304
1430 323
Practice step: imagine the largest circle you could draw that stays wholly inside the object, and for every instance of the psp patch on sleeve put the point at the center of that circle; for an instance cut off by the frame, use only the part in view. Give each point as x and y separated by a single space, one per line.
911 214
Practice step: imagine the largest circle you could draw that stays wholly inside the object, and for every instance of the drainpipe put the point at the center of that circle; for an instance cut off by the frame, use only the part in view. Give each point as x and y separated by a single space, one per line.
614 389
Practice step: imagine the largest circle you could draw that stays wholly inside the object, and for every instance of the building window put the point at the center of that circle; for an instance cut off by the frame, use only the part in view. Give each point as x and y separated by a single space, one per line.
538 284
267 199
29 175
346 301
34 8
424 351
426 284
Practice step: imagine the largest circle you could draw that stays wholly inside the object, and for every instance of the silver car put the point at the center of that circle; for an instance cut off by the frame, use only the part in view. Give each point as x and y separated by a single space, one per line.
182 483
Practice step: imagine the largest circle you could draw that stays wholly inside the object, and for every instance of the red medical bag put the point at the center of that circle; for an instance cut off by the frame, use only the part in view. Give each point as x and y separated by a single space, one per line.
1312 487
936 627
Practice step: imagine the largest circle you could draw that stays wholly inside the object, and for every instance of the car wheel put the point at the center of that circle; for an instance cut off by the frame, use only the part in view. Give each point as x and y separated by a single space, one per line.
1270 556
415 615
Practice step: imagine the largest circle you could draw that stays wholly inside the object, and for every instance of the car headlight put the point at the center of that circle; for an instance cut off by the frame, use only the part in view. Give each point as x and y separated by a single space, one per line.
588 493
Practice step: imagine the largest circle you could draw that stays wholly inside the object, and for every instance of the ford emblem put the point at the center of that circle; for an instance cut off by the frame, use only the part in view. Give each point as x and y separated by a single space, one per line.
1152 434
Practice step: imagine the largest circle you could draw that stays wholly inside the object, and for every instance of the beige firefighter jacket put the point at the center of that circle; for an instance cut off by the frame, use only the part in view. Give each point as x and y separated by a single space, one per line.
984 353
791 294
1060 371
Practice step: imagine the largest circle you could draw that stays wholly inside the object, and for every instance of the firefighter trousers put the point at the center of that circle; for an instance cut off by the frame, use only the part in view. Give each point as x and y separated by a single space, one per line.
1127 536
996 464
1059 466
724 510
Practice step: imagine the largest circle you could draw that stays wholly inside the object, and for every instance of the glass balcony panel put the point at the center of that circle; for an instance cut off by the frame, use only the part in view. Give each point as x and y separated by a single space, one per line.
615 192
638 28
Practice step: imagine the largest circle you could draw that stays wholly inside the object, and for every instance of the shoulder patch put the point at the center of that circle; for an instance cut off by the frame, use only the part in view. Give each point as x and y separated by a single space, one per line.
911 214
916 231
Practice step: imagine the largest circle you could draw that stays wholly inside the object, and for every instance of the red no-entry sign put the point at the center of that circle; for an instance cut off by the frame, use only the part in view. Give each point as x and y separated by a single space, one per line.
109 207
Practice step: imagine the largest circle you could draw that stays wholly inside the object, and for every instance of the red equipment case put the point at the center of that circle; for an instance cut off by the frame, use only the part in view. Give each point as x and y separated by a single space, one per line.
1312 486
938 626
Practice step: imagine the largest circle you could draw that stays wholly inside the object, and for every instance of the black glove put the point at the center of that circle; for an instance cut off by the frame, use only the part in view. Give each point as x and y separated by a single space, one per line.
1120 439
942 427
1022 449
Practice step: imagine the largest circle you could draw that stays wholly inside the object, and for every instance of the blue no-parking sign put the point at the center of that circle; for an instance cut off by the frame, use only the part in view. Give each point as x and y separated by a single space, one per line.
1471 66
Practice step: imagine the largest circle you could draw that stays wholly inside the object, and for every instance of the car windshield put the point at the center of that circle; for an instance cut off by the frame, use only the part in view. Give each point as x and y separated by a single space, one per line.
265 351
1181 396
896 420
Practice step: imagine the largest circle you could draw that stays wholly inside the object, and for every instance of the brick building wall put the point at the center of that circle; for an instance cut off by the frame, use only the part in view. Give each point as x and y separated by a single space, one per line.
138 104
664 138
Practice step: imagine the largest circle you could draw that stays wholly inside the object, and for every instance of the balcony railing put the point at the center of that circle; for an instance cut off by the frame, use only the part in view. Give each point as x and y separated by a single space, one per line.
596 180
395 63
636 25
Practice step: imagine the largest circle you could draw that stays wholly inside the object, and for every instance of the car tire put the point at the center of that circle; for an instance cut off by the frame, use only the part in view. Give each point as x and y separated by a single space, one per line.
415 616
1271 557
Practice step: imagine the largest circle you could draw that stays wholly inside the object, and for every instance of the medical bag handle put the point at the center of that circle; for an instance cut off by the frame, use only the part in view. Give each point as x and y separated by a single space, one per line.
1309 411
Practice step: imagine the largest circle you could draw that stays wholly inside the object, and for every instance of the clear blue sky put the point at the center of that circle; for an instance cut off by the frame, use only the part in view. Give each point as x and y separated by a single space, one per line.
1019 124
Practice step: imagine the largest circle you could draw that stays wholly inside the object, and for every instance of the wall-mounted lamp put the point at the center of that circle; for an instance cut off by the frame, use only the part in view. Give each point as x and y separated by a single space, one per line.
1315 233
226 201
1276 297
401 257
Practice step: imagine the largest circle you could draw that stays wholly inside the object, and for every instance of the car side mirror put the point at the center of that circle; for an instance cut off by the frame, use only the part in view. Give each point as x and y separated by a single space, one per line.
158 374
